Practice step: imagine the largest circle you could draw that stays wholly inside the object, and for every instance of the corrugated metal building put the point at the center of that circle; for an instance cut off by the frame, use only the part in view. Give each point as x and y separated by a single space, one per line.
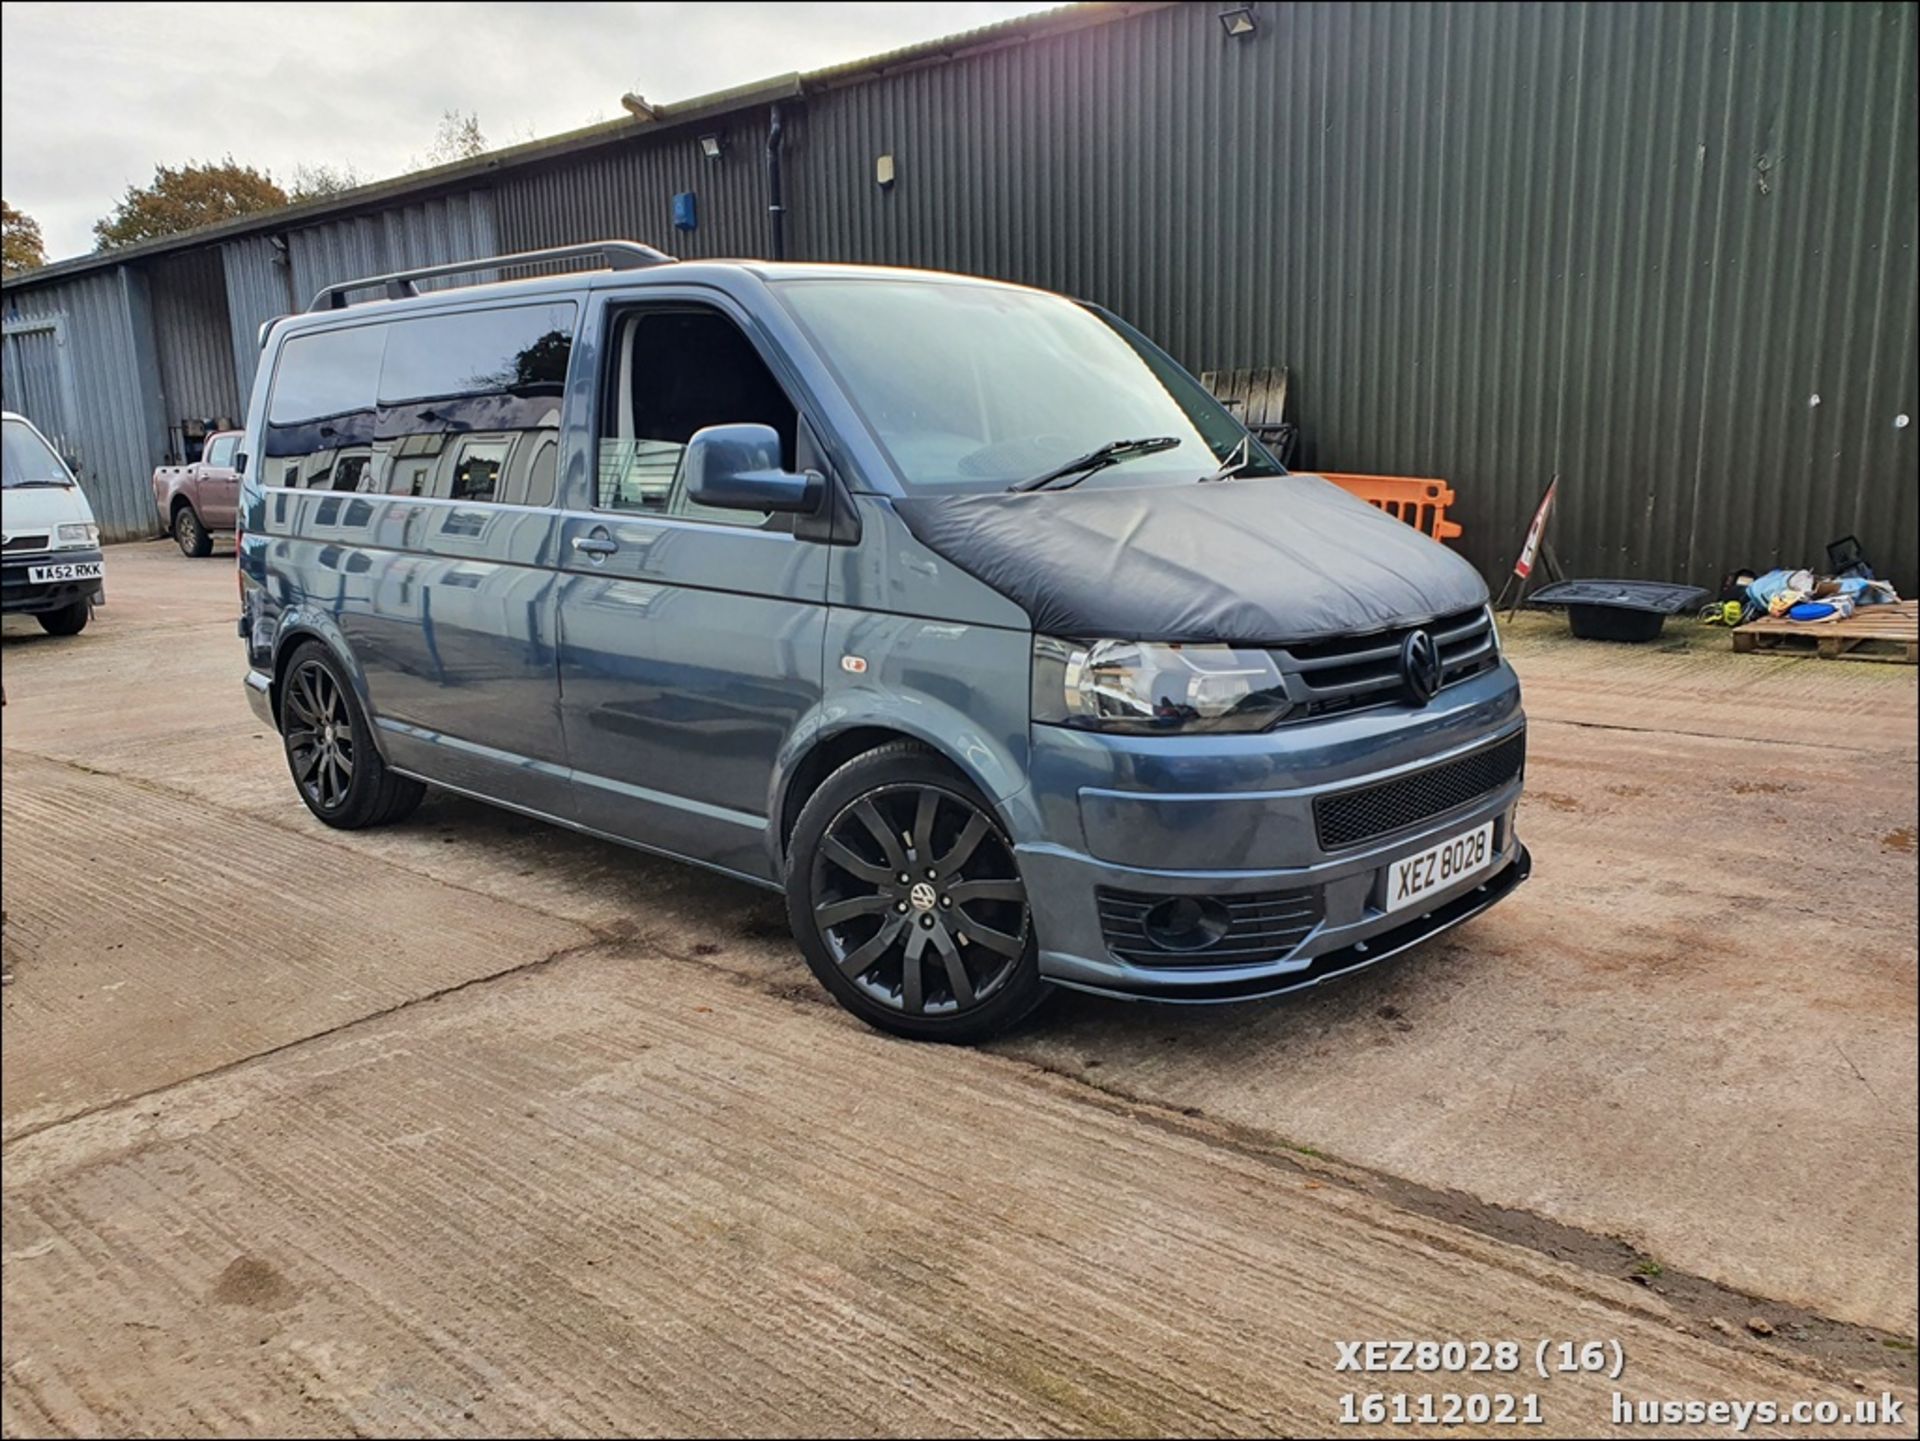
1664 252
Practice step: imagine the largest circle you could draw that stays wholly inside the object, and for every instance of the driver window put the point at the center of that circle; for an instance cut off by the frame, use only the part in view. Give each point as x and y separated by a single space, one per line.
671 373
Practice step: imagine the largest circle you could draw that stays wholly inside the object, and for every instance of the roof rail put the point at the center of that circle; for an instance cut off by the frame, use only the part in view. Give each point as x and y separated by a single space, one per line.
617 255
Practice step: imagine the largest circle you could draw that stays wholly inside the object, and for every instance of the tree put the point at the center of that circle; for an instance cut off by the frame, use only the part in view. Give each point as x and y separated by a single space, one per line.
185 199
458 138
24 248
318 182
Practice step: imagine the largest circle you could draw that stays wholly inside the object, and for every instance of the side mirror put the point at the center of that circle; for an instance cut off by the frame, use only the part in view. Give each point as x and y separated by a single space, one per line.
737 467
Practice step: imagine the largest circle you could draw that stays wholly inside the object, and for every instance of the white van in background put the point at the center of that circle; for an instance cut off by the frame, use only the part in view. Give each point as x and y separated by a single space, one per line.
50 565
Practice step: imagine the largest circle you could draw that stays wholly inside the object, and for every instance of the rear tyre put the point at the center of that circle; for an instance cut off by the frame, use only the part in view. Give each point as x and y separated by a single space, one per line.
190 535
69 620
906 899
330 750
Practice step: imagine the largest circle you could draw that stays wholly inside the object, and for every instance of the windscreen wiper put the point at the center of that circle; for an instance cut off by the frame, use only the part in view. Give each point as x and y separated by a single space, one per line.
37 484
1238 459
1082 466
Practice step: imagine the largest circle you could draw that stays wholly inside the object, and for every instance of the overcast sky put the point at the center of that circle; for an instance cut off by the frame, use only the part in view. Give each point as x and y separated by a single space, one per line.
96 95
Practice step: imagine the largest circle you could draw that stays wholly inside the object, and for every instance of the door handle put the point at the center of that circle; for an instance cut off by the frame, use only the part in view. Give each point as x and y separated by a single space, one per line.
595 545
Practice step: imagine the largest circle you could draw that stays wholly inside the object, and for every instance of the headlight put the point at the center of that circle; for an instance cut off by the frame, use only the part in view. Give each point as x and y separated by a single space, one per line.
1154 687
78 533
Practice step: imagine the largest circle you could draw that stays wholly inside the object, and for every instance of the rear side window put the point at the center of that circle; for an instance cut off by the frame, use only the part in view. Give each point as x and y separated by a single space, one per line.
327 374
322 406
478 353
470 404
453 406
220 451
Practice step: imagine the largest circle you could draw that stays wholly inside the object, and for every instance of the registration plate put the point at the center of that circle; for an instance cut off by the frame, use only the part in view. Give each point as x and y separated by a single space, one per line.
1412 879
67 570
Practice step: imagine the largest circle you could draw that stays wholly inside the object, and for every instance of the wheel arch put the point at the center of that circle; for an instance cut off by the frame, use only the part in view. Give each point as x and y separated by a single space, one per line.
300 627
818 751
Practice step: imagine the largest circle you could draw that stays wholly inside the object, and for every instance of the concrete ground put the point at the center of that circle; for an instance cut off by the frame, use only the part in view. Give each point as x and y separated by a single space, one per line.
473 1125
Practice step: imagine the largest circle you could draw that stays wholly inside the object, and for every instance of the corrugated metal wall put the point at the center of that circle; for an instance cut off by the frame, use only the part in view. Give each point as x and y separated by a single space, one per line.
259 288
428 232
114 427
193 335
626 193
1624 244
1627 245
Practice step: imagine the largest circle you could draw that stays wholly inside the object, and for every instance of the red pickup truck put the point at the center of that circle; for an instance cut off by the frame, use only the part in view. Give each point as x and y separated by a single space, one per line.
196 500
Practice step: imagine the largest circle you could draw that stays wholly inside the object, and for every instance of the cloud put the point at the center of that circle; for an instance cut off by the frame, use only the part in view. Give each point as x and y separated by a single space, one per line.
99 94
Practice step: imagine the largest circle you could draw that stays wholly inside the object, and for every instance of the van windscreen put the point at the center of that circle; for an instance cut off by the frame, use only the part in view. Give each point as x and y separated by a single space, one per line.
28 459
974 387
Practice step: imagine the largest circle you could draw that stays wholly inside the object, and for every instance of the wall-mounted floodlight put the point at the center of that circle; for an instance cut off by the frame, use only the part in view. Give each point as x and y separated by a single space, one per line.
712 145
1238 21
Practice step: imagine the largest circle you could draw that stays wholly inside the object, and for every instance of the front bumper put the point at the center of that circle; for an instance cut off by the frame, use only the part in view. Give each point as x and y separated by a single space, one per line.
1237 825
1328 952
21 596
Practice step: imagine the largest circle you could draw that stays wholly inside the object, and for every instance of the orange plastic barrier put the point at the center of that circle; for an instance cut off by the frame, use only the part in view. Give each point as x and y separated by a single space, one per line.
1420 502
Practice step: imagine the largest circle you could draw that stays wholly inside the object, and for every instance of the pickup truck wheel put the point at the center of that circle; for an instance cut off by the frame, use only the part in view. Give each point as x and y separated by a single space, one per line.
190 535
69 620
907 901
330 751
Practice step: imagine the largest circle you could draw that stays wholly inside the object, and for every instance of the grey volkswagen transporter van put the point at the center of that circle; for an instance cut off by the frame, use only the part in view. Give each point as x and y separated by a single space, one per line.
955 610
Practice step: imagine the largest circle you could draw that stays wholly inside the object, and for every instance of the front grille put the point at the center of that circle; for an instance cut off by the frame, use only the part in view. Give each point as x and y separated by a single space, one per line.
1264 927
1353 816
1353 672
39 541
16 589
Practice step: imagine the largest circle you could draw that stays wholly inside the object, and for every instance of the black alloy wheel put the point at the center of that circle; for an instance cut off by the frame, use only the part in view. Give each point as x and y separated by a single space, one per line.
330 751
319 735
907 898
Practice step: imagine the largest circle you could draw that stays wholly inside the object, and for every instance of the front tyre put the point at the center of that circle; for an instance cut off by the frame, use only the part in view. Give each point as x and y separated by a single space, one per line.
905 896
330 751
68 620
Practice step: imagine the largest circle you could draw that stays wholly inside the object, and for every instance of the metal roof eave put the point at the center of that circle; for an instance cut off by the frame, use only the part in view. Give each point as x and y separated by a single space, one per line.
421 184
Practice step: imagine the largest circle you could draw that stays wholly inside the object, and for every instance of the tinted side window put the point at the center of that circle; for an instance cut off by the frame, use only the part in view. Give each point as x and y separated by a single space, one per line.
325 374
469 404
322 407
461 406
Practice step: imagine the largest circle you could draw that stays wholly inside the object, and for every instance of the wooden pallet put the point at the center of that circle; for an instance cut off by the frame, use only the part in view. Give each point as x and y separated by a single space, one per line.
1874 632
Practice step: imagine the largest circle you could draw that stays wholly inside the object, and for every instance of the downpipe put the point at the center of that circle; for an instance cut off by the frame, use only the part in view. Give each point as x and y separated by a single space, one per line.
776 210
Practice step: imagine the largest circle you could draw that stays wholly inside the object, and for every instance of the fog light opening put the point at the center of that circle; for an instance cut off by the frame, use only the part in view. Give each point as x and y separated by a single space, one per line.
1186 923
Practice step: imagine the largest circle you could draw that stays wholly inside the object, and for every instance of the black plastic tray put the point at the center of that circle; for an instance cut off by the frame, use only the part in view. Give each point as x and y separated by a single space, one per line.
1625 610
1661 596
